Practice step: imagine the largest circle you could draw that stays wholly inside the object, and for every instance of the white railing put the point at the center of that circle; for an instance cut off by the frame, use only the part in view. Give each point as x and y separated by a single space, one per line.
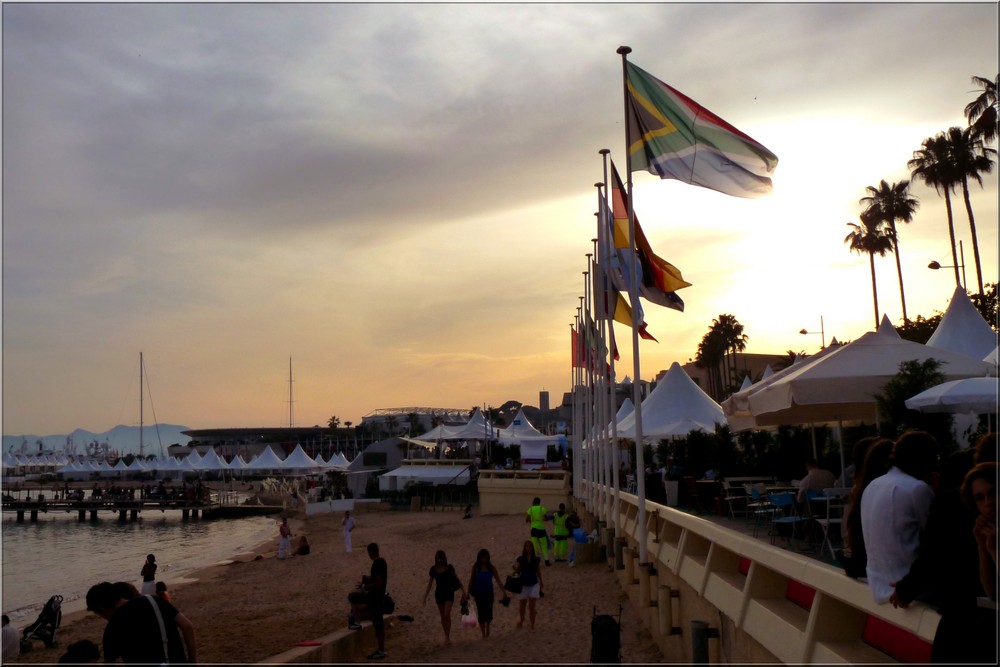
798 608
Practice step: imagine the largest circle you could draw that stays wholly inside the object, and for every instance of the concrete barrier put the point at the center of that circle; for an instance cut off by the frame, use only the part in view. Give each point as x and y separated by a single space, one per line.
337 647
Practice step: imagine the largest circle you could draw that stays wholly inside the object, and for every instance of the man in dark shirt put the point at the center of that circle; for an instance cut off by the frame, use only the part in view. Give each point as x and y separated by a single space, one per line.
374 585
133 632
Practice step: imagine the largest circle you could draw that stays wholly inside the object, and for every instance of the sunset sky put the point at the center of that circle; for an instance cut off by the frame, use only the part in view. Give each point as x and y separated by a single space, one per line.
399 197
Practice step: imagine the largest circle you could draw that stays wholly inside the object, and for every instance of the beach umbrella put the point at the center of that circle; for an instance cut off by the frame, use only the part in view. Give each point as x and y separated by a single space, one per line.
977 395
842 385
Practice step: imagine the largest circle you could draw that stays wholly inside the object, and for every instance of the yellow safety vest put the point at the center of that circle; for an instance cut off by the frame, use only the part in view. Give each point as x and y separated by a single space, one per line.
536 514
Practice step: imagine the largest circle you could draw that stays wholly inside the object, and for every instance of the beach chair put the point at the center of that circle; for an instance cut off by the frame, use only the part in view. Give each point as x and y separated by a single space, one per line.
787 517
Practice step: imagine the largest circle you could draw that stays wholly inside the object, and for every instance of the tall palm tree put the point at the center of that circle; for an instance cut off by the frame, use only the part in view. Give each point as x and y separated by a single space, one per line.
889 203
970 158
871 238
982 111
932 165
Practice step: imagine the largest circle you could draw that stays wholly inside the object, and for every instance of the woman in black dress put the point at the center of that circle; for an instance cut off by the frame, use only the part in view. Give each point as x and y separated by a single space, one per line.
444 575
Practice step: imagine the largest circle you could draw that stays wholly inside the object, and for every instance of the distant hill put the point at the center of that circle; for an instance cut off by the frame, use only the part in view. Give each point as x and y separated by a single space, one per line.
123 438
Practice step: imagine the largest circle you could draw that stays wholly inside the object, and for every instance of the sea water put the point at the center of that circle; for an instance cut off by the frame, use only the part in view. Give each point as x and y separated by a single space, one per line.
60 555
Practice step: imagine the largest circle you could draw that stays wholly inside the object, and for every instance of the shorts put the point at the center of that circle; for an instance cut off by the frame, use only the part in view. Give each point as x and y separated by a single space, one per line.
538 532
530 592
442 597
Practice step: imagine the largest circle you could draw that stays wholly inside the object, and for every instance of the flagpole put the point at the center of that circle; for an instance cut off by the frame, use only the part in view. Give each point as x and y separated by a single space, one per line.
574 356
607 245
589 403
577 439
600 404
633 290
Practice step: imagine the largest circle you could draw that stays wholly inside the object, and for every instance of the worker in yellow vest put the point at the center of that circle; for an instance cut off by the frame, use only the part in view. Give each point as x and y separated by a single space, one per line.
539 538
560 534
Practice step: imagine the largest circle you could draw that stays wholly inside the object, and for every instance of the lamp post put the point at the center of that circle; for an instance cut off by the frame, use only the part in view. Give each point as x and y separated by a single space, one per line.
821 332
961 252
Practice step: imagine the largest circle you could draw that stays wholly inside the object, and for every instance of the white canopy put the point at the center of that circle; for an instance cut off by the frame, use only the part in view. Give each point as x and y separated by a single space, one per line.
675 407
962 329
977 395
842 385
432 474
519 428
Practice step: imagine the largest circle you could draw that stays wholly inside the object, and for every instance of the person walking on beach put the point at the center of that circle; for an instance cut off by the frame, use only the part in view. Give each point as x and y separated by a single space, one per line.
484 572
572 525
536 516
444 575
149 575
348 524
147 629
528 566
373 586
284 539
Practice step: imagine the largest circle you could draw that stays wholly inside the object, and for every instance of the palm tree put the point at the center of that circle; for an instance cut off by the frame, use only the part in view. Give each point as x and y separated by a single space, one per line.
970 158
932 165
871 238
733 340
889 203
982 111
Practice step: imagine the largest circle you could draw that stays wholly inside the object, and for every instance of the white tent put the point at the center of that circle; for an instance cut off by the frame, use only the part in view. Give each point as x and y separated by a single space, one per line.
625 410
339 460
746 383
519 428
425 474
477 428
962 329
211 461
842 385
266 460
675 407
299 460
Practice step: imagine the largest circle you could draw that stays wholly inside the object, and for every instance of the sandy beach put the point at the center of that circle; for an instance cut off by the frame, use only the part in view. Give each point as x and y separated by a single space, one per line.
258 606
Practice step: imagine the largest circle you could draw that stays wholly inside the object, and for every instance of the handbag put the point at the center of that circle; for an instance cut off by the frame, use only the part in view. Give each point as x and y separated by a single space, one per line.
513 583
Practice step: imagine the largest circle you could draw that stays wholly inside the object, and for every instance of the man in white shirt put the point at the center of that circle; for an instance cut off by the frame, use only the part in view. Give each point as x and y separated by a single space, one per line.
894 510
816 479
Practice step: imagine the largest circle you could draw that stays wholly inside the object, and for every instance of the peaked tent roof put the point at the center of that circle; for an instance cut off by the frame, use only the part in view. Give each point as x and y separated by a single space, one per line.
962 329
519 428
210 461
266 460
299 460
675 407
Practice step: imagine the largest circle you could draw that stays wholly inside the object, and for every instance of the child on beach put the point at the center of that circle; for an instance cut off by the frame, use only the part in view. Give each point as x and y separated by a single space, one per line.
161 591
284 539
348 523
149 575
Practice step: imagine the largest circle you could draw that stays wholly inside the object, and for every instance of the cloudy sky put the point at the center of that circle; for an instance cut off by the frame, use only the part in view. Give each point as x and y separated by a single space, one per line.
398 198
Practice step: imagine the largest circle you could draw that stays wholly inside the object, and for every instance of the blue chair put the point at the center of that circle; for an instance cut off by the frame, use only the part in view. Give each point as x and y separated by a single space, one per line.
786 514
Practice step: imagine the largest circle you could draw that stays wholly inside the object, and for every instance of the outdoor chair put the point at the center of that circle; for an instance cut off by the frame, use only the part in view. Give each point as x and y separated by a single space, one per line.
833 520
786 514
735 498
759 507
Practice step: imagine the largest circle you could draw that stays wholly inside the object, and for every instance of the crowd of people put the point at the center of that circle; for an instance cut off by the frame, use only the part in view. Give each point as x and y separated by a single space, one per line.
918 528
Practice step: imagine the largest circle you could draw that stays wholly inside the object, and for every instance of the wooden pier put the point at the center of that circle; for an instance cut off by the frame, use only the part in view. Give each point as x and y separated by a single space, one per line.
129 510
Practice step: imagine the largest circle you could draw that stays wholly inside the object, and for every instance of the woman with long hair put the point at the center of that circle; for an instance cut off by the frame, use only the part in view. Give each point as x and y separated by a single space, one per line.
484 572
527 566
444 575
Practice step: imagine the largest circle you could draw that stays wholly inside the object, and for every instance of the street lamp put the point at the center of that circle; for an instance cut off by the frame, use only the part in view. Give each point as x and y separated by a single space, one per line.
935 265
821 332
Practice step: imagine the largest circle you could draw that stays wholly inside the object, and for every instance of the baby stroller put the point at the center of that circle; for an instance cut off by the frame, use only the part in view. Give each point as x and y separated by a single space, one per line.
605 638
44 627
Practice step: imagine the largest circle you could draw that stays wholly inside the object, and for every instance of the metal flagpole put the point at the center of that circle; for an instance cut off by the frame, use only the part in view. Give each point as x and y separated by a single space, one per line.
607 250
588 414
600 405
633 292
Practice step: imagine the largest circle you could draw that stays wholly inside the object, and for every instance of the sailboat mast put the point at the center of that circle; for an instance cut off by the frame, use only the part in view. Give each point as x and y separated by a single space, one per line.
140 406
